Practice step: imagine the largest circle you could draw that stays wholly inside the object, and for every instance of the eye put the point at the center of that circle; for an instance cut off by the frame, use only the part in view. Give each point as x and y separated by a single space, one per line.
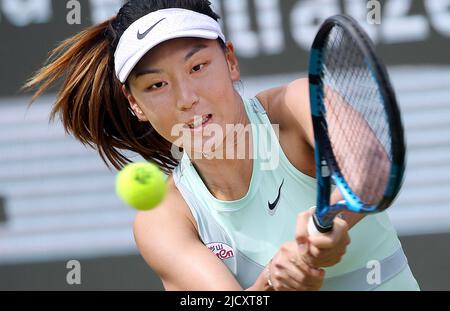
198 68
157 86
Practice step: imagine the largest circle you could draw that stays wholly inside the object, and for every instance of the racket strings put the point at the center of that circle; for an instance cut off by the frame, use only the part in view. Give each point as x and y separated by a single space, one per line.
357 123
338 83
341 81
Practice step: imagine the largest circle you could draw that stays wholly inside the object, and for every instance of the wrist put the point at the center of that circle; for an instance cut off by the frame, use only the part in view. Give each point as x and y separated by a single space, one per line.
262 282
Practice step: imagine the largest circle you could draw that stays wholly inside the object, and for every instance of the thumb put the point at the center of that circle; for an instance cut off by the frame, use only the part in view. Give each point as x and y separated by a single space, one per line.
301 230
301 234
303 245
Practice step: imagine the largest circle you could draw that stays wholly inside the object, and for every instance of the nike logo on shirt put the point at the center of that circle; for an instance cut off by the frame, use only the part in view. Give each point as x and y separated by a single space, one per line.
272 206
141 36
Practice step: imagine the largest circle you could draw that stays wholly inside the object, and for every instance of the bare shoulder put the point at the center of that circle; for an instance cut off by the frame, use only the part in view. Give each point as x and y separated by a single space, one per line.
168 240
298 90
288 106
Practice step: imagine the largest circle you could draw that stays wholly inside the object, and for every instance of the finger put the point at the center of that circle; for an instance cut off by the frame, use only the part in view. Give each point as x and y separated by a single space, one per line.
300 280
303 248
325 255
340 223
283 287
308 269
282 281
305 254
315 252
309 259
315 285
320 258
340 227
323 241
310 278
301 230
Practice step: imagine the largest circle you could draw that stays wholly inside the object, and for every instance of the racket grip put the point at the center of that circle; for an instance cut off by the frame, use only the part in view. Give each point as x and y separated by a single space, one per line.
315 228
312 229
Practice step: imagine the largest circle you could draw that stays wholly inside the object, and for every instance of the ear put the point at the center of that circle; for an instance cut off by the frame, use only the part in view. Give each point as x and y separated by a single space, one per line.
134 105
233 64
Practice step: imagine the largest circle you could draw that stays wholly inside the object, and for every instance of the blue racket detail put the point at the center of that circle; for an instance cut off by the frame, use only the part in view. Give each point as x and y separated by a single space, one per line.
358 132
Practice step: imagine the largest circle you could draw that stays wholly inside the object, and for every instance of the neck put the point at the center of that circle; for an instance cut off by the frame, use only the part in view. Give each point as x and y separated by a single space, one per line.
227 171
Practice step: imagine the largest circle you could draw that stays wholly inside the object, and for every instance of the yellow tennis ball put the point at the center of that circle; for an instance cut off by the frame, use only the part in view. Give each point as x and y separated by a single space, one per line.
141 185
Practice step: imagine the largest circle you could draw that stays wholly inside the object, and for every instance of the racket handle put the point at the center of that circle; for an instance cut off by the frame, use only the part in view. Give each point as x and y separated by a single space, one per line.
312 229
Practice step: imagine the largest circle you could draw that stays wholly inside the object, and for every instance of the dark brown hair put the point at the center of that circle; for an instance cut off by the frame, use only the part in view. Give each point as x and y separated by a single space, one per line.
90 101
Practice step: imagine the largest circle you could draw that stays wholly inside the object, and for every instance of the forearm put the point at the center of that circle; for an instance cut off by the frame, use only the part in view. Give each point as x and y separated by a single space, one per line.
352 218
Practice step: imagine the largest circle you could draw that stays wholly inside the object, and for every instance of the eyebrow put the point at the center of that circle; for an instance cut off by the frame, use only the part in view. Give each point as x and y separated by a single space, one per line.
188 56
146 71
194 51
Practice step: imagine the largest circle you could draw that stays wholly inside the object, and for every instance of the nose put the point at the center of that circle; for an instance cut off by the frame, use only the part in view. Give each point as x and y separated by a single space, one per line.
187 96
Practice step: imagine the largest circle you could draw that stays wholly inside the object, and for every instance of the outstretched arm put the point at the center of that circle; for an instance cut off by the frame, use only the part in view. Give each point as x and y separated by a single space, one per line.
169 243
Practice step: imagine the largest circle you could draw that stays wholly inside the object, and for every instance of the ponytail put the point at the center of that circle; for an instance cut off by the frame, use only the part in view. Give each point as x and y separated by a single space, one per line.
91 104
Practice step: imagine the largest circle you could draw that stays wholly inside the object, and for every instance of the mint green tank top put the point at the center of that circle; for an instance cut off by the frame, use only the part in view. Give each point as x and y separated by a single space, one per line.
245 234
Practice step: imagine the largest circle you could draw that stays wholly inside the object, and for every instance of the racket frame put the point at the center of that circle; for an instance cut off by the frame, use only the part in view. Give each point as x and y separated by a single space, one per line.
327 169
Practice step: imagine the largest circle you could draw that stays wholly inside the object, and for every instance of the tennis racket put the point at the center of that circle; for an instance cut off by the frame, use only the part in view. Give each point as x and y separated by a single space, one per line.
358 131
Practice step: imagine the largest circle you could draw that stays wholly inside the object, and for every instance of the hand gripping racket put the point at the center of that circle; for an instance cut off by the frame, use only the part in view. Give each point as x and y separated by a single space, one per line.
358 132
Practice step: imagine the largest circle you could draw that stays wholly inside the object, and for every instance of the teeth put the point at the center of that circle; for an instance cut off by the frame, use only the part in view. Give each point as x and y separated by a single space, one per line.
197 122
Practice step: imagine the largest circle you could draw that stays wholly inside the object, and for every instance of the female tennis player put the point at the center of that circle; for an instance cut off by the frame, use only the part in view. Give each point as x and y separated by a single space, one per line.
158 79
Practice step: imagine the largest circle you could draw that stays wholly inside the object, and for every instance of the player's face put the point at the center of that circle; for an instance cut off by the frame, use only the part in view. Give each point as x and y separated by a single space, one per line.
186 80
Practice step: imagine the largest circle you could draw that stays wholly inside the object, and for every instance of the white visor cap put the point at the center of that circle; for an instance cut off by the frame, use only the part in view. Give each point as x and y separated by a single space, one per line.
158 27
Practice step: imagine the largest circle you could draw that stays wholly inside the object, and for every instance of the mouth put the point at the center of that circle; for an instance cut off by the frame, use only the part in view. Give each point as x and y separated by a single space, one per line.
198 122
